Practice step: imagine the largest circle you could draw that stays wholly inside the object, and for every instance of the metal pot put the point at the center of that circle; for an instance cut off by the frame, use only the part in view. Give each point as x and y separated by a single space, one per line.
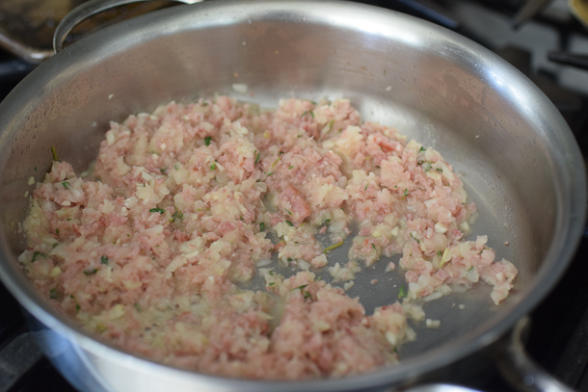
516 155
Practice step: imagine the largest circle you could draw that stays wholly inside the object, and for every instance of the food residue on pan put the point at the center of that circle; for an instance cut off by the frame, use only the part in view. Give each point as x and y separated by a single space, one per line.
152 248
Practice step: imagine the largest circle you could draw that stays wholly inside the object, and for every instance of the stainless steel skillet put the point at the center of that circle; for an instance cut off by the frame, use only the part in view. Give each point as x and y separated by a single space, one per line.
511 146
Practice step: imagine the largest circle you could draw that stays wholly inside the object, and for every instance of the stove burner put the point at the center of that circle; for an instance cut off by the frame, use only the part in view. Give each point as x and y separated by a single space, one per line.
12 70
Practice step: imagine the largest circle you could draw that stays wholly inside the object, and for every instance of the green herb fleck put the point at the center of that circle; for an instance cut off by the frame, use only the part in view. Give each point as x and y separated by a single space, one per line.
289 259
90 271
425 164
54 245
301 287
439 253
163 170
207 140
288 212
401 292
54 155
307 113
57 231
270 284
414 238
65 184
290 167
157 209
53 294
269 174
422 149
326 222
331 247
440 170
204 104
289 223
373 246
137 307
213 166
257 156
471 268
307 295
330 125
405 193
177 215
261 226
78 308
36 256
104 260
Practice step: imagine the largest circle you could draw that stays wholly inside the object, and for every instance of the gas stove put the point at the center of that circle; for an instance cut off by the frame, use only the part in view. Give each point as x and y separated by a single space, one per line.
550 46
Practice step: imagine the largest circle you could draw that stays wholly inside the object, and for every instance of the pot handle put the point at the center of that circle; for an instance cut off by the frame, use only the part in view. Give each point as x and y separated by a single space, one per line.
85 11
520 370
514 364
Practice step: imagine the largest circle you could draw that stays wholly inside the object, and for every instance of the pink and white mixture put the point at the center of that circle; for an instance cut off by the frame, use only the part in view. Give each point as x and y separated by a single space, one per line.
151 248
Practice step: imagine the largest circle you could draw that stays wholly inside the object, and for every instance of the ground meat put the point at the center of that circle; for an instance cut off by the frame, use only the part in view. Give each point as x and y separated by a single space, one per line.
151 247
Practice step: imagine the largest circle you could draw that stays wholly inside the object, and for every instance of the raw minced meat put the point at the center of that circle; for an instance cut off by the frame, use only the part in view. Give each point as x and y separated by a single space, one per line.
152 248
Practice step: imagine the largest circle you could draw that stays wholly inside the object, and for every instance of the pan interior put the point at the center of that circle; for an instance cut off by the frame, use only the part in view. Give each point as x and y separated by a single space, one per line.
430 86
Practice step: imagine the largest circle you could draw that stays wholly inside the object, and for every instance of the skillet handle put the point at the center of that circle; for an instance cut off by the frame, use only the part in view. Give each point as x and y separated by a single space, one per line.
514 364
520 370
85 11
